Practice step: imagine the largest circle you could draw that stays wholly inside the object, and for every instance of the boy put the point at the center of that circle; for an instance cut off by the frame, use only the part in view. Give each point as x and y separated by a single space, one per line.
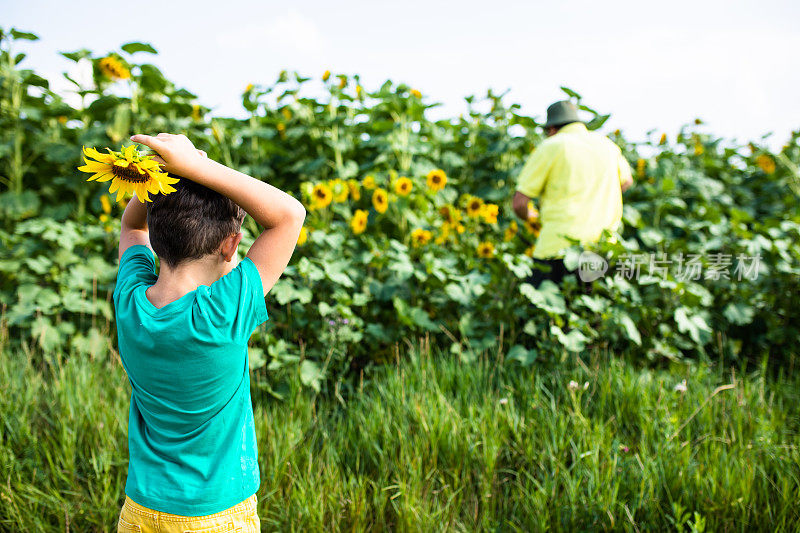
183 340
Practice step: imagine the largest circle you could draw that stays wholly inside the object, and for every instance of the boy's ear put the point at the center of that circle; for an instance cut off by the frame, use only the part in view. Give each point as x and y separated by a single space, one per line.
230 245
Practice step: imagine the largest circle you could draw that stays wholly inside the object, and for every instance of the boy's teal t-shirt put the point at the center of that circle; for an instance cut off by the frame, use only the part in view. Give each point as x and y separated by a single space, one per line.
191 436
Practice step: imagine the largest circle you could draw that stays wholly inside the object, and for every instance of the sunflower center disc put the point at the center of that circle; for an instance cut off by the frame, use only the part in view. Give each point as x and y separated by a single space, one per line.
130 173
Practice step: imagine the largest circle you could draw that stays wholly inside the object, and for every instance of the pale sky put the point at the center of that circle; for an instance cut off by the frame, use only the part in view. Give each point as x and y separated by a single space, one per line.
652 65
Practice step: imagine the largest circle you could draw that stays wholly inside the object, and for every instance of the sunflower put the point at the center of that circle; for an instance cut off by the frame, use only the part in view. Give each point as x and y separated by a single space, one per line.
474 206
415 93
403 186
359 221
303 237
533 226
765 163
420 237
444 234
489 213
641 165
340 190
380 200
105 203
451 214
359 91
436 180
355 190
326 75
114 69
486 249
321 196
369 182
663 139
129 172
511 231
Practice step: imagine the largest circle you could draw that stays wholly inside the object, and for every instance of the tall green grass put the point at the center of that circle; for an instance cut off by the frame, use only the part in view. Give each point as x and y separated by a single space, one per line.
432 444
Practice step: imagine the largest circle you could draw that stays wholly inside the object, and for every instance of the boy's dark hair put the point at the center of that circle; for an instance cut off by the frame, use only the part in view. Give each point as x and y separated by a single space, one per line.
191 222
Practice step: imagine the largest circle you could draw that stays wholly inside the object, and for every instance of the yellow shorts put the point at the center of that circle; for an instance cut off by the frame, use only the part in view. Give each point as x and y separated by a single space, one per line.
241 518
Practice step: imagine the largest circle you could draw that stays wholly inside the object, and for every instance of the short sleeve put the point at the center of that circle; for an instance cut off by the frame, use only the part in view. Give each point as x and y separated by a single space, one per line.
236 302
533 176
624 169
136 266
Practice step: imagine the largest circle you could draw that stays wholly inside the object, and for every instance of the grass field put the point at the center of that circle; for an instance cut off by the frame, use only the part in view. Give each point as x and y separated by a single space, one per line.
433 444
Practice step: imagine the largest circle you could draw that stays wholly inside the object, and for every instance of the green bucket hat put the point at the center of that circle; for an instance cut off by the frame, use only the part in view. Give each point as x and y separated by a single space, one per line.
561 113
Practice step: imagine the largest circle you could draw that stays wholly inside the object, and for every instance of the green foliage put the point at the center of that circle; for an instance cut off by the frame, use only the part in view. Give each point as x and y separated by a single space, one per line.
348 298
434 444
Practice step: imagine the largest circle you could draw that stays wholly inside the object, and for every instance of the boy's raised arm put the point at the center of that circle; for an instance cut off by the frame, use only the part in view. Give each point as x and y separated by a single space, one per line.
281 215
133 226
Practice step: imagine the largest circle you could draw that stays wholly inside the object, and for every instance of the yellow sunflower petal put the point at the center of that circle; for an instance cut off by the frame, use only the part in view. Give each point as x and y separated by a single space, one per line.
141 193
93 166
94 154
104 176
128 152
94 176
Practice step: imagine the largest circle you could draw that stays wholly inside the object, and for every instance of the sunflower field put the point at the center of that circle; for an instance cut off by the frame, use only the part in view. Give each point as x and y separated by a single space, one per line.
409 232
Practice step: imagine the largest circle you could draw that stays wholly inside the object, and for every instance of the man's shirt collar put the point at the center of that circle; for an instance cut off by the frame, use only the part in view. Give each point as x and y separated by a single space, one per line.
573 127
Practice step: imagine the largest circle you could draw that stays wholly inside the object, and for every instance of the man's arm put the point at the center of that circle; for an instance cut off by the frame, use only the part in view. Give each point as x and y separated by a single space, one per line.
520 205
134 226
278 212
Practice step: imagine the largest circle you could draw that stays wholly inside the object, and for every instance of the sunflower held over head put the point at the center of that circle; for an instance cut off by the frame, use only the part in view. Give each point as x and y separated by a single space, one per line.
380 200
359 221
321 196
420 237
129 172
436 180
403 186
486 249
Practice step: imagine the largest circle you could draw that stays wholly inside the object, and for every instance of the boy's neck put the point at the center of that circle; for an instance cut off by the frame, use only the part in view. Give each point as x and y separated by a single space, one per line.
175 282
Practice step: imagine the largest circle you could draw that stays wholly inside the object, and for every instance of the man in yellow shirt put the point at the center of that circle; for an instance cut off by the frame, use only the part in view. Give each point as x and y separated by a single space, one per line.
578 176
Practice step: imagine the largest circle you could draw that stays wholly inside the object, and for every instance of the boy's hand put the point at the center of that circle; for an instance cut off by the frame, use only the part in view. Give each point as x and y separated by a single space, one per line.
177 151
